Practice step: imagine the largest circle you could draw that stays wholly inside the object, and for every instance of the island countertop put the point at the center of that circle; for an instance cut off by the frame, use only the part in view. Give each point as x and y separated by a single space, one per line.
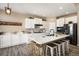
41 38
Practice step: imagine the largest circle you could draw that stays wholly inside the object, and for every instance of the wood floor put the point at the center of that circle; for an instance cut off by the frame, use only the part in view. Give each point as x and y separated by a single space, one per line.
19 50
74 50
26 50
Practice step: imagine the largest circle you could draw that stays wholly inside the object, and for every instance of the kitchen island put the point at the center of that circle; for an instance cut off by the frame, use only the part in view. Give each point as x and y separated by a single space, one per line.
41 39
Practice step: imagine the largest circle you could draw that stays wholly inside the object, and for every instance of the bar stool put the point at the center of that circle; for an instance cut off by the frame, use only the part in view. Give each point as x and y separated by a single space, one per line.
66 46
60 47
51 49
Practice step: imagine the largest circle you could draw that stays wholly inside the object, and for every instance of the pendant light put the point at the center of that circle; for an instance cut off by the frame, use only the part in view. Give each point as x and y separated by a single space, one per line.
8 10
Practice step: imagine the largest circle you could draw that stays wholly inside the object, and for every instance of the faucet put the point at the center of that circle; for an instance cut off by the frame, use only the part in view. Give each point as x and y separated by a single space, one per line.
51 32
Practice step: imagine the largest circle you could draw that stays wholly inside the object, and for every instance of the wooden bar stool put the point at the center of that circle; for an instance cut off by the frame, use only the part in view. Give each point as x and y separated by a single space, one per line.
51 50
61 47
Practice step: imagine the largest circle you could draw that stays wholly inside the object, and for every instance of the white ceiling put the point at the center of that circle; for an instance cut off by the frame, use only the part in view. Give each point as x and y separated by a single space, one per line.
42 9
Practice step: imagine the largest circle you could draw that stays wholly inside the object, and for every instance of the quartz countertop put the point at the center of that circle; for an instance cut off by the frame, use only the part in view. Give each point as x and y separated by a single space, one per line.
41 38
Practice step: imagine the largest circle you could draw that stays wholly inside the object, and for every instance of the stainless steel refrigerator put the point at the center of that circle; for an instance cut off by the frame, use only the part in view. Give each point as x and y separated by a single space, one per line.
71 29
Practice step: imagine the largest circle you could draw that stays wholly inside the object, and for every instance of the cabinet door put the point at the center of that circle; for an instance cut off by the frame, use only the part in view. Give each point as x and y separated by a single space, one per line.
73 19
60 22
6 41
38 21
1 38
29 23
24 39
15 39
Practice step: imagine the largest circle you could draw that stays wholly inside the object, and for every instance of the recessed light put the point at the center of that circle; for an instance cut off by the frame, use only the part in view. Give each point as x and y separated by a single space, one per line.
60 8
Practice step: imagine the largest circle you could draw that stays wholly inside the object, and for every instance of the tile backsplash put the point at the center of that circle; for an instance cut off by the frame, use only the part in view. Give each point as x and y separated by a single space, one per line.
36 30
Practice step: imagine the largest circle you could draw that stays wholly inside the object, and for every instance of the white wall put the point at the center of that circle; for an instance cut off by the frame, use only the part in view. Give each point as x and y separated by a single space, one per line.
14 17
6 28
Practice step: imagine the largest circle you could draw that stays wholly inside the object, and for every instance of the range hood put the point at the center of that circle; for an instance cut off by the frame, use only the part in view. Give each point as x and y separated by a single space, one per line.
38 25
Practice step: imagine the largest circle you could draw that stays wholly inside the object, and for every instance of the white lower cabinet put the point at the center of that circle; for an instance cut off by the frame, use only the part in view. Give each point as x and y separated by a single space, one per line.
8 40
24 38
14 39
5 41
1 36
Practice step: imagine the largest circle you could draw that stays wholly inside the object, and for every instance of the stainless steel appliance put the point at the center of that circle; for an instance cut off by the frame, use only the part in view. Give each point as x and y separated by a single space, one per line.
71 29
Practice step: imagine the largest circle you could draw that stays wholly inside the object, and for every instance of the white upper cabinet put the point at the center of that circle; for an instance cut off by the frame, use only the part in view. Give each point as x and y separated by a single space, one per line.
38 21
72 18
66 20
29 23
60 22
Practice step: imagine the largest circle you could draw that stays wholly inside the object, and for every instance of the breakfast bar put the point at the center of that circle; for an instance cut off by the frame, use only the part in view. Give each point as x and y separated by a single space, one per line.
40 41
